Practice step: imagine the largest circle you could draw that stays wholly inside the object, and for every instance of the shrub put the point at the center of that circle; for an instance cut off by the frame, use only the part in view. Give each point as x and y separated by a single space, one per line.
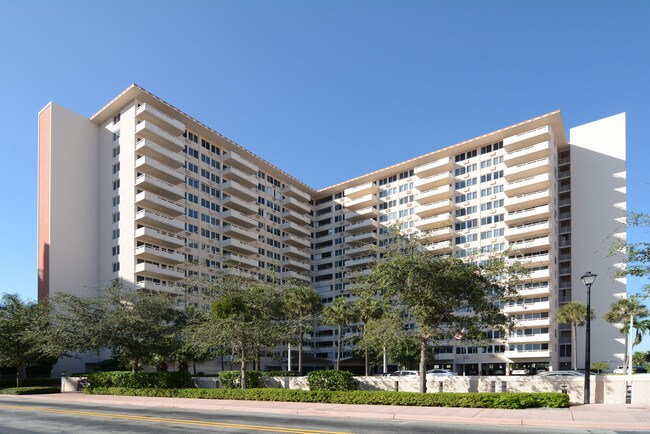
331 380
35 390
30 382
472 400
139 380
232 379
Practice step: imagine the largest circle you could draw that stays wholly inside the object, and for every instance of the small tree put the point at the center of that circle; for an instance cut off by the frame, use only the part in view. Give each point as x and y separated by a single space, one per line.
24 334
339 314
599 366
574 313
624 311
368 308
301 306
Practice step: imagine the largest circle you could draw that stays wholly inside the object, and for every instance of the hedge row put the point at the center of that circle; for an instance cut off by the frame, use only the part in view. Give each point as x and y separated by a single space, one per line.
35 390
472 400
163 380
7 382
331 380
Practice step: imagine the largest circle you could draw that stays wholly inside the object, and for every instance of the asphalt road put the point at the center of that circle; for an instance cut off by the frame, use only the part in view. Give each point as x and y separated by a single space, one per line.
19 416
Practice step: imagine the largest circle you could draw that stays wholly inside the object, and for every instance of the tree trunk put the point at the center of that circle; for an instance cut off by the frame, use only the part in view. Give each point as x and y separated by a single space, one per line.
300 357
574 346
338 349
630 356
20 370
289 357
385 359
365 355
242 370
423 365
136 365
626 353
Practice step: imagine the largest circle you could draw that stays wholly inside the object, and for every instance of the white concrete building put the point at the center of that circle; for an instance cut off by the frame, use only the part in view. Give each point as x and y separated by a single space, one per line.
141 188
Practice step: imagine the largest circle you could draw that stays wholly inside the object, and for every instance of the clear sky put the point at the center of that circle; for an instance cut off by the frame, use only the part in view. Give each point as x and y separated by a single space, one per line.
305 83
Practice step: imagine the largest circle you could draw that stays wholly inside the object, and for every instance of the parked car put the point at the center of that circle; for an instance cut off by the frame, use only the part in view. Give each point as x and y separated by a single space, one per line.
405 374
635 370
524 371
436 373
561 374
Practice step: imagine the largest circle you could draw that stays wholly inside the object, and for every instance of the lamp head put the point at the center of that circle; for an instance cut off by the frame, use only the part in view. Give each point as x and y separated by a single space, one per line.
588 278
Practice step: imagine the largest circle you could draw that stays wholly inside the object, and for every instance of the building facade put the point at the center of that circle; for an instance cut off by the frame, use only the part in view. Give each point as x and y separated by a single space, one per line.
140 190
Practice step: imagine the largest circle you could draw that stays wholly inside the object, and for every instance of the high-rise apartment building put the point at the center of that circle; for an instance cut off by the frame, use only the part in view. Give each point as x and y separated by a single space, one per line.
141 189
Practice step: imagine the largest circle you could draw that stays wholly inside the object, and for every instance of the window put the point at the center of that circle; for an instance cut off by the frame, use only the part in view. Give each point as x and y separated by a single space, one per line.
405 187
388 192
191 228
116 267
116 200
116 118
116 184
405 200
116 217
116 250
191 213
465 183
192 182
192 167
116 151
116 167
116 234
191 136
466 225
191 197
116 135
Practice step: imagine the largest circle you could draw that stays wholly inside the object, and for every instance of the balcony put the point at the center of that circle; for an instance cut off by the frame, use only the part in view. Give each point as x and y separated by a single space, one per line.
362 202
160 153
237 272
540 290
290 190
236 246
531 245
529 339
441 248
523 308
234 174
156 271
358 251
364 237
536 276
527 169
294 229
526 139
233 159
528 215
295 205
361 190
516 355
240 261
293 252
438 234
148 130
364 261
365 225
149 166
153 202
528 185
423 184
147 112
533 261
291 240
428 169
156 254
153 220
434 208
364 213
232 202
239 233
233 188
159 287
152 236
294 265
239 219
434 195
434 222
527 231
161 188
296 276
295 217
530 153
528 200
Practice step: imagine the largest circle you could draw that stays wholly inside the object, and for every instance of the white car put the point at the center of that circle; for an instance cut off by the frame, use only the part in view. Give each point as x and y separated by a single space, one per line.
561 374
437 373
619 370
405 374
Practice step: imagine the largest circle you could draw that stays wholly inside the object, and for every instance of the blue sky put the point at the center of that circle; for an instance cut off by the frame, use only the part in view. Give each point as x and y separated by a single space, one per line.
302 83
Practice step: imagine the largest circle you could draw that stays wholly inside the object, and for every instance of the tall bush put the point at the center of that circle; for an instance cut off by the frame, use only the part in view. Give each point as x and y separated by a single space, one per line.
331 380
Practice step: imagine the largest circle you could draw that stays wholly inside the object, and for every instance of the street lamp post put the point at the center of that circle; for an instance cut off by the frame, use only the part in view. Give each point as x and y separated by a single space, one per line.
588 279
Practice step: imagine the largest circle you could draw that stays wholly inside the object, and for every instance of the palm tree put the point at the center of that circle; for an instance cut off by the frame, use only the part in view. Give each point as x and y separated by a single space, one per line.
368 308
301 304
339 314
628 310
574 313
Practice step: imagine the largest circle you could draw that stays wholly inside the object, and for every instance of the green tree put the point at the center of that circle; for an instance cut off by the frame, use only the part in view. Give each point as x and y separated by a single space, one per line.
368 308
245 317
443 295
599 366
405 351
574 313
640 358
382 335
301 306
25 334
135 325
626 311
339 314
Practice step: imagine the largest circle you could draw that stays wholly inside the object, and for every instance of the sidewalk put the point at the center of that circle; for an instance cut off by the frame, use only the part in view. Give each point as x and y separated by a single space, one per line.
593 416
